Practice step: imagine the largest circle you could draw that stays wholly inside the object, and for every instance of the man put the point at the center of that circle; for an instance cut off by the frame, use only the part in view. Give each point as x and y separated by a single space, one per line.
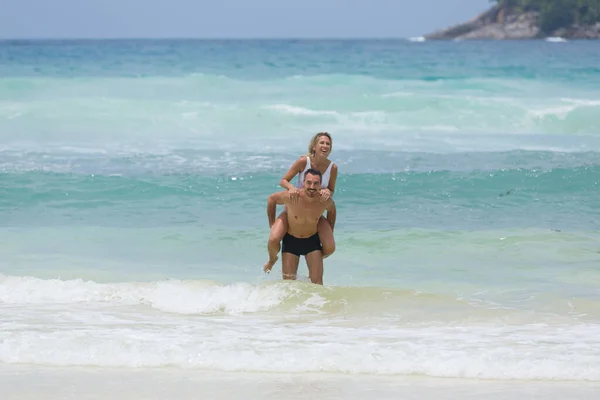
302 238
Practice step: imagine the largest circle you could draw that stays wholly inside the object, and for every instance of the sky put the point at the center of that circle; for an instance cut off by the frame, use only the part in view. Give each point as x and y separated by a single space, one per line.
231 18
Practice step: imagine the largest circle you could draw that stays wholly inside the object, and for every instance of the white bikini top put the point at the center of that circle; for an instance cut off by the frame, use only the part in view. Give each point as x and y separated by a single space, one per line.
324 178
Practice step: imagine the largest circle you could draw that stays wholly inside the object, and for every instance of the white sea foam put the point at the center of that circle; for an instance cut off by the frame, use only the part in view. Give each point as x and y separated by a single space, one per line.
301 110
159 112
172 296
273 328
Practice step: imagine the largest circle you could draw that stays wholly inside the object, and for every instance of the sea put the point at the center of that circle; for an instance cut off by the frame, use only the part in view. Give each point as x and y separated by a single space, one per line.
134 177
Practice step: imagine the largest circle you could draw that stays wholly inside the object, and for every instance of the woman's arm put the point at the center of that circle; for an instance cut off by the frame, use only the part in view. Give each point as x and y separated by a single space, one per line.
332 178
296 168
327 193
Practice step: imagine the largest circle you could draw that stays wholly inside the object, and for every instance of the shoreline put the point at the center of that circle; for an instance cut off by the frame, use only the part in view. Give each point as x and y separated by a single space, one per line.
25 382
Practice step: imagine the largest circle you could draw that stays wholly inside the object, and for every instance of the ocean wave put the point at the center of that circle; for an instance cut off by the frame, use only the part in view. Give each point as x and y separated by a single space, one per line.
209 298
120 110
193 297
205 297
286 327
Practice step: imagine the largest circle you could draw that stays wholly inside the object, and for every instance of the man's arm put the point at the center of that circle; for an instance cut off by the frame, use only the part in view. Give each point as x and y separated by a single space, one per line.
272 202
331 214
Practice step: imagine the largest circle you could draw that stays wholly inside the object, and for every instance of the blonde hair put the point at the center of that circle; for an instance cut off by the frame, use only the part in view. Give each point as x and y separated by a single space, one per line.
315 140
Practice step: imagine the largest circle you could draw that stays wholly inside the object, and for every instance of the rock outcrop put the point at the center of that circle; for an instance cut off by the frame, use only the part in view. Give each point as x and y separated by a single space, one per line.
499 23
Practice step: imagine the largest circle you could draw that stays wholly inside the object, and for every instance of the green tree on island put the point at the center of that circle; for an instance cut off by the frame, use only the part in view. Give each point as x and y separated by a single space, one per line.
555 14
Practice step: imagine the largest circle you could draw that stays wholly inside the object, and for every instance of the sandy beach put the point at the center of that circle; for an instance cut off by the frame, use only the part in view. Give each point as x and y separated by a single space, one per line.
20 382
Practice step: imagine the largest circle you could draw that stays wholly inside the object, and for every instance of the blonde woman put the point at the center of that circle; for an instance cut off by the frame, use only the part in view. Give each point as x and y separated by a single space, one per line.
319 149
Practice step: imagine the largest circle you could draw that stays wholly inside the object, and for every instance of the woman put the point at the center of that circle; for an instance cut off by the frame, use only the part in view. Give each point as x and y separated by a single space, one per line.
319 149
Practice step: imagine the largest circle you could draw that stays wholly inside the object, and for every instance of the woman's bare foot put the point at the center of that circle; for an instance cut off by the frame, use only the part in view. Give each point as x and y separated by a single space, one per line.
269 265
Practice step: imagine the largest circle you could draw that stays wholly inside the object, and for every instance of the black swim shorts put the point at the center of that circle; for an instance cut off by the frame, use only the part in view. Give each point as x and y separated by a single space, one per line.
300 246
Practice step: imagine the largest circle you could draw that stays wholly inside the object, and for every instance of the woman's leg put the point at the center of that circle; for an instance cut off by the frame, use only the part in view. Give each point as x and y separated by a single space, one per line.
278 231
326 237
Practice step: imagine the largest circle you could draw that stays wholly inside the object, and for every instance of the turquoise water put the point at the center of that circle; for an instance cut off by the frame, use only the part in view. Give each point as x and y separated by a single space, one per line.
133 185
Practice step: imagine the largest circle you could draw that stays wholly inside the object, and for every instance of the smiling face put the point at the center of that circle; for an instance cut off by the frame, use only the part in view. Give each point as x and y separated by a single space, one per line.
312 183
321 145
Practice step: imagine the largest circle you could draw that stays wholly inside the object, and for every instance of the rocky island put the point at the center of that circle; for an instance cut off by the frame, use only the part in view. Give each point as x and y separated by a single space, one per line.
529 19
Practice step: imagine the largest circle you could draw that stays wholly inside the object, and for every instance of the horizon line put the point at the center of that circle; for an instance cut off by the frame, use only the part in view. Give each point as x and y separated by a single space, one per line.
213 38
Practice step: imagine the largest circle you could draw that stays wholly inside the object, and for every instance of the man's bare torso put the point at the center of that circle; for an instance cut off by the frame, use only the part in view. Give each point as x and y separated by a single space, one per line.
303 217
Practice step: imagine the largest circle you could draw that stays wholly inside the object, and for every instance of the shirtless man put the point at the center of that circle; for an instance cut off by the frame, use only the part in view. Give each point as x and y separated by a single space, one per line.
302 238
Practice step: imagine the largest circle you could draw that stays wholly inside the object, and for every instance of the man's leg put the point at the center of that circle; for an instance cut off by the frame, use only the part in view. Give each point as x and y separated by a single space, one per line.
314 261
289 265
